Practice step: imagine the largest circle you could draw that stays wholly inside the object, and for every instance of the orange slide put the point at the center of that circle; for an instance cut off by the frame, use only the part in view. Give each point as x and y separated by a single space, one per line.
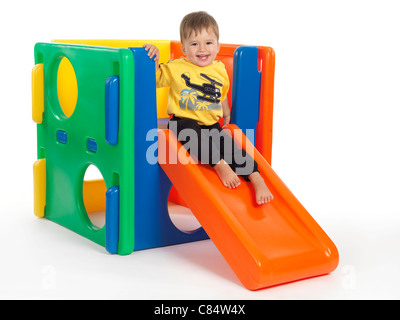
265 245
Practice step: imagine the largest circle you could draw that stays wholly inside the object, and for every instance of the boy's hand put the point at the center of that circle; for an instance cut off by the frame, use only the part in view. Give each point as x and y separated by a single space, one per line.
152 51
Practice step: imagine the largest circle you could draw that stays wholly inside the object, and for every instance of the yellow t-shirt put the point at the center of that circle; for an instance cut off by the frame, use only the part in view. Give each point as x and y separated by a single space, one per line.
195 92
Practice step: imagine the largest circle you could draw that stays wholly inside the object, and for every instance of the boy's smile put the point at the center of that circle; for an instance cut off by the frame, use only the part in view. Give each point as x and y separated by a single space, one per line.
203 57
202 48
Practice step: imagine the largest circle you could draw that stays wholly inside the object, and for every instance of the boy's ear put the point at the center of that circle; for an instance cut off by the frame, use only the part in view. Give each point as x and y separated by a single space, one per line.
183 49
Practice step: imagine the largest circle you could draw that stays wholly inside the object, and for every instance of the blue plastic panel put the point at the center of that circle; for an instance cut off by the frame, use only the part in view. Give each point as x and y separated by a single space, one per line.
112 109
112 219
153 226
246 89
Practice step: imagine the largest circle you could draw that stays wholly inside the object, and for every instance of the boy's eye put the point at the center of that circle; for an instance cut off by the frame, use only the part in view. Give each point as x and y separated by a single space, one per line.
194 44
209 43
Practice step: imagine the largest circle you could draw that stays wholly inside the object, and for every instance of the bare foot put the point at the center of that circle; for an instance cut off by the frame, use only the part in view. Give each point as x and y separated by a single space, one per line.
228 177
263 195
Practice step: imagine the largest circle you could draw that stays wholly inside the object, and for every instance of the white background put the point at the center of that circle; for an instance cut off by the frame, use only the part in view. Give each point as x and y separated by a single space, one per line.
336 146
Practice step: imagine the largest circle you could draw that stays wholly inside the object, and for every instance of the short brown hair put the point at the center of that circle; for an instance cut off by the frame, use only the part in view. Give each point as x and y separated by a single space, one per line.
197 21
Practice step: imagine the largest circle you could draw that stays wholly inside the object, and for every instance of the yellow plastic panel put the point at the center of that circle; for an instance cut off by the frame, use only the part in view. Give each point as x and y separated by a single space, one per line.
39 187
37 93
165 55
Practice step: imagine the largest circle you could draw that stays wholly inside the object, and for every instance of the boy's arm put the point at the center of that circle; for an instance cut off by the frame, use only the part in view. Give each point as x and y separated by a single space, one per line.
226 112
153 52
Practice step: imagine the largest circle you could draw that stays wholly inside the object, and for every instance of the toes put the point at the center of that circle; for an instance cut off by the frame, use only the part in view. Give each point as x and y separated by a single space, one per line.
237 182
232 183
229 184
264 199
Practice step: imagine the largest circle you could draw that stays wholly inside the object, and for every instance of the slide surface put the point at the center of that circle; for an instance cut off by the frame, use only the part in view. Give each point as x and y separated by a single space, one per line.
265 245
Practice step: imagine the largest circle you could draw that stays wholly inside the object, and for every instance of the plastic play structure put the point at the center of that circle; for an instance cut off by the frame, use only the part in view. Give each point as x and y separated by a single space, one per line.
95 103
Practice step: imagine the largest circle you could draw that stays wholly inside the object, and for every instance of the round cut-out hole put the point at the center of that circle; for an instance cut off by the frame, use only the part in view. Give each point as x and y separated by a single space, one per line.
180 215
67 87
94 196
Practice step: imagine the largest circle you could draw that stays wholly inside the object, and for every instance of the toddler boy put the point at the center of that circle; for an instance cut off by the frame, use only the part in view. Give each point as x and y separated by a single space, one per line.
197 100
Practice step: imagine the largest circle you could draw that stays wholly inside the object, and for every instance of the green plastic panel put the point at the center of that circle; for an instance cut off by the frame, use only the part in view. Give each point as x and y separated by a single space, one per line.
67 161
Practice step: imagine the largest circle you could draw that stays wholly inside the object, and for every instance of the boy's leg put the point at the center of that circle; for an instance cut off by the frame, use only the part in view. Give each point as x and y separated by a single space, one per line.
195 139
187 132
241 163
238 159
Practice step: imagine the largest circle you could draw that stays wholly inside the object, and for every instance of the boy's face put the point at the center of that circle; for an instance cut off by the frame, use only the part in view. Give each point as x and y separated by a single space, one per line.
201 48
